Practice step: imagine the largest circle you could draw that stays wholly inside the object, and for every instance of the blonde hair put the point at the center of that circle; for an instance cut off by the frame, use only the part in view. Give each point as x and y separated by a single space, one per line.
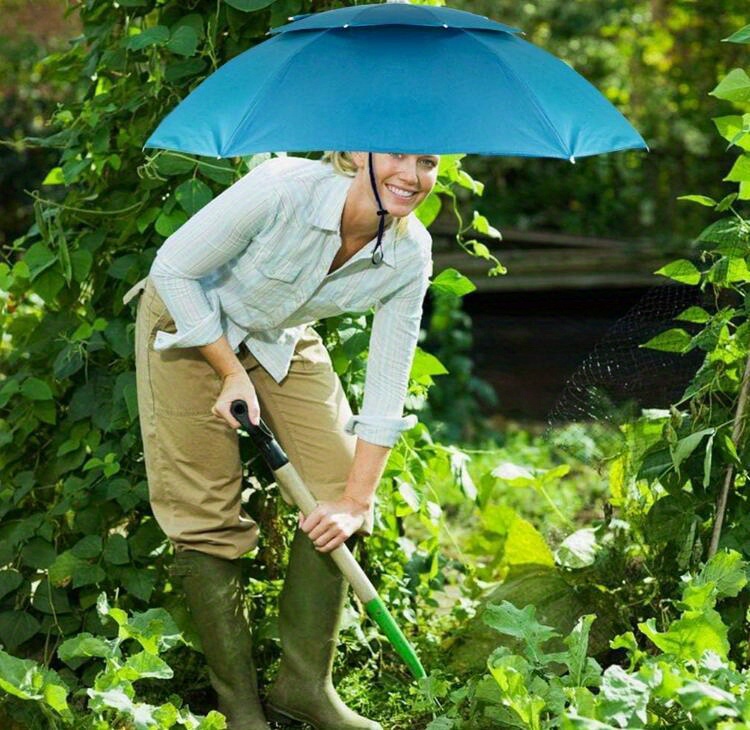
343 163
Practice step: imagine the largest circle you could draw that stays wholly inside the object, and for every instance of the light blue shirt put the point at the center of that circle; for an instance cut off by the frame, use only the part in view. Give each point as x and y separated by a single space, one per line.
252 264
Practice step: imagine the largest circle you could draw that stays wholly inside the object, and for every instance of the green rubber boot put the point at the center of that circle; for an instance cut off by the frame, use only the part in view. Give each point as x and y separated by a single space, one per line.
214 591
310 608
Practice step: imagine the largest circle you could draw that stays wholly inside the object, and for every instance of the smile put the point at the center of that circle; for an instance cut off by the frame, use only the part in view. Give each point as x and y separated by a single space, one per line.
401 193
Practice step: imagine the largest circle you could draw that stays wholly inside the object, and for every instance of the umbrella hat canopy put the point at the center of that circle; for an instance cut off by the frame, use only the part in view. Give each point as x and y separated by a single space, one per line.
394 14
416 87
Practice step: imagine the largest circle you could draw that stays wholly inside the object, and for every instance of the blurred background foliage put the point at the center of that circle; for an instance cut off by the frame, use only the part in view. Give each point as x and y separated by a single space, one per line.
655 60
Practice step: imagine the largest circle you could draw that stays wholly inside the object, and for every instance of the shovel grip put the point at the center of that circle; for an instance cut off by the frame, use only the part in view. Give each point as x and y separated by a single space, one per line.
261 435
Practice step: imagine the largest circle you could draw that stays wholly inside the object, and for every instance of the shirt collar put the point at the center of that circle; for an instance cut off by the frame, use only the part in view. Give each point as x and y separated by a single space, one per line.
326 213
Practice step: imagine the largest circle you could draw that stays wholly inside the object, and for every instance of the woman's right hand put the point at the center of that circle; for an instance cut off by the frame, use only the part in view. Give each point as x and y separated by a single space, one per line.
237 386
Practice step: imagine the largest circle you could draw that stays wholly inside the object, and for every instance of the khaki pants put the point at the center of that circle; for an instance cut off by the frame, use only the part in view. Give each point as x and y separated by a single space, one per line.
192 457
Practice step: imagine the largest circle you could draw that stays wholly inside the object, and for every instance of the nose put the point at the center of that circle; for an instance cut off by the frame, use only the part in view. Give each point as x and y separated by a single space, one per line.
409 171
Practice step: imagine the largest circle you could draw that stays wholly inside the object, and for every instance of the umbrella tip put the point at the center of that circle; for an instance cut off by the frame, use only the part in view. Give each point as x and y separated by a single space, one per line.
573 159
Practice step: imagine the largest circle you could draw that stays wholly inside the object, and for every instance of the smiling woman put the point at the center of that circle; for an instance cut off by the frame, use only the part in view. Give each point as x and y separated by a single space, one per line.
225 315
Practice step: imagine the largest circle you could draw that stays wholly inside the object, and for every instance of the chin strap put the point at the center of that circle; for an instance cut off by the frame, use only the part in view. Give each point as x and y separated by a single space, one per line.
377 252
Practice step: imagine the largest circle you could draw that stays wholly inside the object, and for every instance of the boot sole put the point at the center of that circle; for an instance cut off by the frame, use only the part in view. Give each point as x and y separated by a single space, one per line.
282 717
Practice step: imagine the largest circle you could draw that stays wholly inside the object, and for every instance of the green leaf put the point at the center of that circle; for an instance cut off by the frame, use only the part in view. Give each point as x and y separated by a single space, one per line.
734 129
183 41
192 195
145 219
116 550
36 389
429 209
700 199
515 475
521 624
673 340
86 575
10 580
450 281
172 164
689 636
87 645
143 665
740 36
685 446
727 571
726 202
28 680
425 364
697 315
48 599
740 171
187 68
156 36
139 582
578 550
681 270
81 261
248 6
61 571
54 177
88 547
220 171
38 258
512 676
482 225
669 518
735 86
125 268
16 627
578 645
624 698
167 223
38 553
155 630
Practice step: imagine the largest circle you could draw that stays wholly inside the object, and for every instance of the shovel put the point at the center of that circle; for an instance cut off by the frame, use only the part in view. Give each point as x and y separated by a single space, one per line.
287 476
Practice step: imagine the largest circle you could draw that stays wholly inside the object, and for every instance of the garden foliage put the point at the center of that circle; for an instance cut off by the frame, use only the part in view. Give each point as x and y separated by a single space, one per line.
86 605
75 517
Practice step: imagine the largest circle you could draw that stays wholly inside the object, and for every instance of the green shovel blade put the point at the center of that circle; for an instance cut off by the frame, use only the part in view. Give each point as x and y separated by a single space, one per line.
382 617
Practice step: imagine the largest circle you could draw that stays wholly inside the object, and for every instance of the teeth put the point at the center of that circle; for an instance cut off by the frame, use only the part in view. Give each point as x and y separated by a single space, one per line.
401 193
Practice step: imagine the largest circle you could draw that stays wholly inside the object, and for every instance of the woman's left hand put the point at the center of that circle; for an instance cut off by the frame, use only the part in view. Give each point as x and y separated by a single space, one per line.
331 523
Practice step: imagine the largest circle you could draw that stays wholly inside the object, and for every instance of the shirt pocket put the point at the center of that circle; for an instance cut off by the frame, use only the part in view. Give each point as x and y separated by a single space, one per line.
286 269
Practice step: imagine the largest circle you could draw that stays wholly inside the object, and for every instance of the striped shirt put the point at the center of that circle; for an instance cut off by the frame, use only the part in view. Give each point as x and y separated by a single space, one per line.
253 265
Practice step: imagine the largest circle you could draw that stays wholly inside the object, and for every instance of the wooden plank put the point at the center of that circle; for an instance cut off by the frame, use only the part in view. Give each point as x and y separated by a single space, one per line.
538 261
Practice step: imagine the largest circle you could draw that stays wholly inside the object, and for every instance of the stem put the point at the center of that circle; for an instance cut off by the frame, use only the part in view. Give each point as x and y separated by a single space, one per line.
721 505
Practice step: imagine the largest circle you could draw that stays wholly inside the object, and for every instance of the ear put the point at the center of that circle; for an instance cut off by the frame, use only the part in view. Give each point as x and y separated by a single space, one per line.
359 159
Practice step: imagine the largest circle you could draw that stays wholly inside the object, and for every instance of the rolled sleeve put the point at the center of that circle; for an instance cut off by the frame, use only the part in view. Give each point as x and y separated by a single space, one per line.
395 331
215 235
380 431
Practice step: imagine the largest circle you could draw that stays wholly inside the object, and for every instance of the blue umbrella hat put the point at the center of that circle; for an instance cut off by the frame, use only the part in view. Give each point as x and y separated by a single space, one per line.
301 91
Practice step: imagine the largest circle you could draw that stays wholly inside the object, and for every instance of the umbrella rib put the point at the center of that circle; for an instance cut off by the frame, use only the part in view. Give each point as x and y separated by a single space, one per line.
281 73
532 95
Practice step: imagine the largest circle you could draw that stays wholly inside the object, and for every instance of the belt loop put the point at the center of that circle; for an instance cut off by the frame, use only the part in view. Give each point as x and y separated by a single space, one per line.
135 290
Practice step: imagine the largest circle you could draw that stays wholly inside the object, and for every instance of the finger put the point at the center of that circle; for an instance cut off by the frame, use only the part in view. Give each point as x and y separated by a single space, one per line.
226 414
328 541
312 519
323 527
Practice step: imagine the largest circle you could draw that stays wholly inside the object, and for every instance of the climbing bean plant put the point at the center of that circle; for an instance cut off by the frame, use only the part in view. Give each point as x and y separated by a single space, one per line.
73 490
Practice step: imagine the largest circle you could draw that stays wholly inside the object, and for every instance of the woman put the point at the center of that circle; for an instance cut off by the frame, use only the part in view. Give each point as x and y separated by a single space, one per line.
225 314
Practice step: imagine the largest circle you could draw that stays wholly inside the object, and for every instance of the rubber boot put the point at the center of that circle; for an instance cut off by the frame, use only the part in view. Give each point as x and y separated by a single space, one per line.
213 589
310 608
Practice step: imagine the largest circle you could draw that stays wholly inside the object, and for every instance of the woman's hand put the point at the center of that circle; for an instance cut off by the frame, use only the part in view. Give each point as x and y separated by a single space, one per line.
331 523
237 386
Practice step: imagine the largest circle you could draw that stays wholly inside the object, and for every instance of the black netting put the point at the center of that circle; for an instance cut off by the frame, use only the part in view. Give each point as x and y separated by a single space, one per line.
619 378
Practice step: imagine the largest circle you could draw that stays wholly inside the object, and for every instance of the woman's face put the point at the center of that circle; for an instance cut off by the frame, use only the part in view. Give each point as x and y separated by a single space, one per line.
403 181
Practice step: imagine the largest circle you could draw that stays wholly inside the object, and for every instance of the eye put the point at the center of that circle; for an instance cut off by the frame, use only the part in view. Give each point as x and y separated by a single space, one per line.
430 164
